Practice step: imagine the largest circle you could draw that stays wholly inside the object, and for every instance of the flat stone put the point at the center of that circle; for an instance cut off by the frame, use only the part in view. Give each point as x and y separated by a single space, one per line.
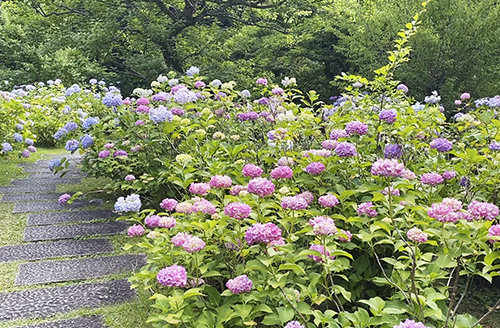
55 180
78 322
28 207
27 189
39 303
40 251
31 197
59 271
68 217
51 175
42 169
73 231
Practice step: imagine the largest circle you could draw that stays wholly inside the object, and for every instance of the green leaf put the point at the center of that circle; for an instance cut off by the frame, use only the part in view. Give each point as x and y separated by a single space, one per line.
285 314
294 267
376 305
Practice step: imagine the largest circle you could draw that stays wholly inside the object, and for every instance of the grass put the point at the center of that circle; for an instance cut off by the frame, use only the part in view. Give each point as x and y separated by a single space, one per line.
125 315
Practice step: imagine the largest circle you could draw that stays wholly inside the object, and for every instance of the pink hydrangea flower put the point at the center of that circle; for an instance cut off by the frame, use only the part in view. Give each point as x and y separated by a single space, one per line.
261 186
410 324
494 231
417 235
367 208
323 225
480 210
410 175
308 196
294 324
443 213
294 203
387 168
199 188
236 189
168 204
204 206
185 208
348 235
135 230
172 276
448 175
220 181
329 144
321 250
262 233
167 222
240 284
454 203
315 168
152 221
193 244
328 201
252 171
431 179
282 172
237 210
286 161
394 191
180 238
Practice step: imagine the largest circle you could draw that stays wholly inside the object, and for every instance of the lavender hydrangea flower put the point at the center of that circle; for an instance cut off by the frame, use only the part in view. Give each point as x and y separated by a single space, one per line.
160 114
168 204
441 145
282 172
294 203
431 179
18 137
494 231
88 122
338 133
130 177
192 71
356 127
393 151
262 81
112 99
495 146
32 149
448 175
328 201
387 168
322 251
410 324
262 233
220 181
315 168
483 210
104 154
63 199
388 115
152 221
345 149
26 153
199 188
120 153
29 142
240 284
60 133
402 87
172 276
367 208
294 324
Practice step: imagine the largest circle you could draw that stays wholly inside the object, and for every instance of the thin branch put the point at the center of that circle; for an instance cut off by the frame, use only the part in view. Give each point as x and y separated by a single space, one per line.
487 314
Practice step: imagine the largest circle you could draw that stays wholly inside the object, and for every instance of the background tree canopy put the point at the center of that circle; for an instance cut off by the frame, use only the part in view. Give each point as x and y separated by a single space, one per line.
130 43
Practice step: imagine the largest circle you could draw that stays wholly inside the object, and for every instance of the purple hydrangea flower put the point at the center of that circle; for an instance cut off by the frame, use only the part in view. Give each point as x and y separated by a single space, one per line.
262 81
168 204
172 276
152 221
315 168
448 175
417 235
240 284
130 177
261 186
63 199
120 153
441 144
294 203
322 251
104 154
410 324
338 133
393 151
431 179
282 172
482 210
328 201
495 146
135 230
402 87
367 208
387 168
356 127
345 149
494 231
199 188
388 115
220 181
262 233
237 210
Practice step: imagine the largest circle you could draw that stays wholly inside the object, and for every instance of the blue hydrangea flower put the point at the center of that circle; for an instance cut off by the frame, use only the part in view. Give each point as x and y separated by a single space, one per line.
18 137
112 99
87 141
56 162
130 204
160 114
102 83
93 81
72 145
6 147
60 133
66 109
216 83
192 71
29 142
184 95
245 93
70 126
89 122
495 145
19 127
173 82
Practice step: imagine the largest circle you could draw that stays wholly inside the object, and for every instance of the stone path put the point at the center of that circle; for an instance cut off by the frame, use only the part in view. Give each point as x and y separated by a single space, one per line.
53 232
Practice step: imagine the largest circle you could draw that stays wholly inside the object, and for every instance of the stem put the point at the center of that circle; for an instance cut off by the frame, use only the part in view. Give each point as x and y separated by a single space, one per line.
413 285
327 275
460 300
453 294
295 308
487 314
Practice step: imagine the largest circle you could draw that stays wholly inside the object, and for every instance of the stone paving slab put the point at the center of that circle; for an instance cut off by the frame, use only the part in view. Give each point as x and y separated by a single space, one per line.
31 197
39 303
80 269
51 175
73 231
45 169
78 322
40 251
31 181
68 217
28 207
27 189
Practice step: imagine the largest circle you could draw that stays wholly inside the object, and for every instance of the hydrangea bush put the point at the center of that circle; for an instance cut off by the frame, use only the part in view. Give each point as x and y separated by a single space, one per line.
269 208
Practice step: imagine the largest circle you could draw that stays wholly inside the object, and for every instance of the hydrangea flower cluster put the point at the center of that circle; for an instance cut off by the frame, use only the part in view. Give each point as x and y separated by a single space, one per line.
449 210
87 141
336 134
168 204
220 181
393 151
240 284
322 251
282 172
431 179
328 201
323 225
356 127
329 144
237 210
482 210
184 207
348 236
120 153
261 186
494 231
387 168
130 204
72 145
262 233
315 168
345 149
153 221
172 276
410 324
189 242
448 175
442 145
417 235
199 188
63 199
135 230
286 161
252 171
56 162
367 208
294 203
317 152
393 191
294 324
167 222
388 115
203 206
